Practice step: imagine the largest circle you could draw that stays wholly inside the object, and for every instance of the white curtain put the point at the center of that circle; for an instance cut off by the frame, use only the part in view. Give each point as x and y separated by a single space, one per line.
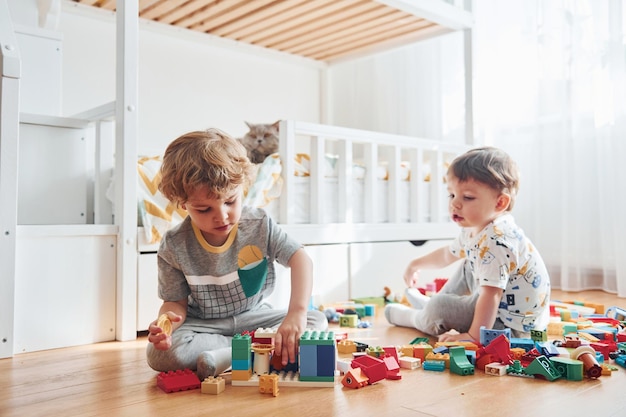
550 88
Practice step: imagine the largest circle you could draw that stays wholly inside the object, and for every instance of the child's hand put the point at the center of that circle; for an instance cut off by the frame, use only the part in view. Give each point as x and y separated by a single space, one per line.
159 331
411 277
287 337
454 336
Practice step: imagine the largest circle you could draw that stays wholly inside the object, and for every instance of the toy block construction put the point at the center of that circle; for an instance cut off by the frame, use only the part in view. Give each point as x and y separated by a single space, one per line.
315 367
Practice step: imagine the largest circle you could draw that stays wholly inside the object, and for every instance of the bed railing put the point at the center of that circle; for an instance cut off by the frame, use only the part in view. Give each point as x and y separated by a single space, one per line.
370 149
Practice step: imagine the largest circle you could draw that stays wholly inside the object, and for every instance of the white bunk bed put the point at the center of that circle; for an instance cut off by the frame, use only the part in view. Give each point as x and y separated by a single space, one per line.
398 206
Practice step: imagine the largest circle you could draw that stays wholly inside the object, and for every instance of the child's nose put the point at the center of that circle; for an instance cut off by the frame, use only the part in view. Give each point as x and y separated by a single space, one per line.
222 214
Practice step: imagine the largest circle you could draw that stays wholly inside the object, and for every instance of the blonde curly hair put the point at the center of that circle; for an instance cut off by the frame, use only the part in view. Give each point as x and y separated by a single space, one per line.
209 158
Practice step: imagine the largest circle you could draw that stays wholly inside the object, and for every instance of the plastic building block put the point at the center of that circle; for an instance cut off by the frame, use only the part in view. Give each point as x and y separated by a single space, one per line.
471 356
543 367
438 366
265 333
393 368
570 369
346 346
343 365
607 369
621 361
431 288
355 378
421 351
547 349
496 368
241 348
373 368
391 351
165 324
488 335
440 349
268 384
419 340
539 335
556 328
459 363
180 380
529 356
569 327
348 320
516 369
526 344
603 348
601 334
587 356
517 352
485 359
597 308
499 347
262 353
439 283
409 362
376 352
370 310
213 385
443 357
317 356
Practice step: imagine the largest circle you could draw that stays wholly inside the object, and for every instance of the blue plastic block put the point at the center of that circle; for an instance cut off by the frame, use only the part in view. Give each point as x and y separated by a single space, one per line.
438 366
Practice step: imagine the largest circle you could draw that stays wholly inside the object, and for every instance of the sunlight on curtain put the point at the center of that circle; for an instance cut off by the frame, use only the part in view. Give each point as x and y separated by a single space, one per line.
550 88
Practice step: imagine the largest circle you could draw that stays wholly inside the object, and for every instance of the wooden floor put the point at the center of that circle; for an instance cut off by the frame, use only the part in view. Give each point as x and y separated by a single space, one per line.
113 379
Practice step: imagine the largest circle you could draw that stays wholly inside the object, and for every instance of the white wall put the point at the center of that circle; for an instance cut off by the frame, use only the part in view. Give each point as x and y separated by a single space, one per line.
415 90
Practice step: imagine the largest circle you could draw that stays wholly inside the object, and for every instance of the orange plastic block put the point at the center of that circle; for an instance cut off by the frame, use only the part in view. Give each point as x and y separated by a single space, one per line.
355 378
212 385
268 384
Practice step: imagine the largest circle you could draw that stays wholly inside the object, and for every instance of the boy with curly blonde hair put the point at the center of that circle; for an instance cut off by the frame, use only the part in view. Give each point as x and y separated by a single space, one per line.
217 266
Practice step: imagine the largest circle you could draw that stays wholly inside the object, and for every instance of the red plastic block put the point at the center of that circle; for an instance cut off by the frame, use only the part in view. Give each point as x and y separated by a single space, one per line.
180 380
372 367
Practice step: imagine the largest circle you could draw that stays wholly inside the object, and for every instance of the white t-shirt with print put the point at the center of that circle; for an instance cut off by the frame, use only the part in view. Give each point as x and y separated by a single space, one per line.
501 256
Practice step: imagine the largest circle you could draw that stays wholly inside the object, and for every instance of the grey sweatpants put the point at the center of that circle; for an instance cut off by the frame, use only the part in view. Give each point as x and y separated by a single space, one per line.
197 335
453 306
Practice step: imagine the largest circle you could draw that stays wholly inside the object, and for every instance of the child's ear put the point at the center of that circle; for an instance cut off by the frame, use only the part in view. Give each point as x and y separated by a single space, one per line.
503 202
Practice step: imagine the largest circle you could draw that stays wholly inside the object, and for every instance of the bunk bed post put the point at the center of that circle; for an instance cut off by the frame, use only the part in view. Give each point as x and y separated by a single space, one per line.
416 185
394 185
469 92
436 179
316 195
468 53
345 203
369 190
9 131
127 22
287 132
104 166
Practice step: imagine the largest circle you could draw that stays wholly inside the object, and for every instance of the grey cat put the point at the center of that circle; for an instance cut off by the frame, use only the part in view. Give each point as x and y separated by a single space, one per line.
261 140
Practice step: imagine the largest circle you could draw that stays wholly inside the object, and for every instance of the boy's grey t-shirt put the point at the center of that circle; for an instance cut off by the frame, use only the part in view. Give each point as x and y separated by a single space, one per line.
227 280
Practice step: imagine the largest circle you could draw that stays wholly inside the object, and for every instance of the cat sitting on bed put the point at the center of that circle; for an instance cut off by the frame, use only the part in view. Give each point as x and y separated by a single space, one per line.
261 141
